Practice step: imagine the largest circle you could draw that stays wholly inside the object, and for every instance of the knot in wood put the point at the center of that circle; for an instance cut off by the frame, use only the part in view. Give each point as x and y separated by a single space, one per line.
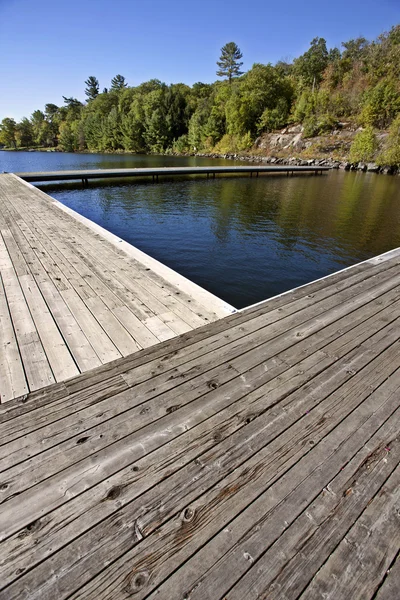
217 436
188 515
136 582
213 385
114 492
82 440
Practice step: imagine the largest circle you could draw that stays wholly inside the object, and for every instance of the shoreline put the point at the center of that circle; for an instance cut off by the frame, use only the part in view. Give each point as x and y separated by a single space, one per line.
345 165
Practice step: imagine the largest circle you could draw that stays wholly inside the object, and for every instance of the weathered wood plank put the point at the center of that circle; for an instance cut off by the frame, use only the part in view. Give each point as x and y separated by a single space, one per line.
282 538
37 369
147 266
12 376
361 560
295 299
259 371
214 464
77 342
91 245
391 584
180 449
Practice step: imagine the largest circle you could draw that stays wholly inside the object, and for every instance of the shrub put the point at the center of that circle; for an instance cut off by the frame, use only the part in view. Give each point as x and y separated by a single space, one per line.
181 145
364 146
391 154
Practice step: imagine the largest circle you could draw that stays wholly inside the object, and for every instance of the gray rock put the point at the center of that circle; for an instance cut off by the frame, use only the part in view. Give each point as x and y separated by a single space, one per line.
294 129
372 168
388 170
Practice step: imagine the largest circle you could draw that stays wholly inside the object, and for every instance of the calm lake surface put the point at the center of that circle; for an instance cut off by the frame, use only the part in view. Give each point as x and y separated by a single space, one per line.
243 239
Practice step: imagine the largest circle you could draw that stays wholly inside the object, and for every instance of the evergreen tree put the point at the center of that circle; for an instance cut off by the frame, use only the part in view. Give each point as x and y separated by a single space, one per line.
229 65
66 138
73 108
92 89
118 83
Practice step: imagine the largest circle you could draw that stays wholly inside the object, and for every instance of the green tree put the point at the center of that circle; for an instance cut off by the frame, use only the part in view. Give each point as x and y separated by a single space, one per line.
8 131
391 155
92 87
364 146
133 126
311 65
118 83
24 133
355 50
381 104
67 139
53 115
228 63
73 107
41 129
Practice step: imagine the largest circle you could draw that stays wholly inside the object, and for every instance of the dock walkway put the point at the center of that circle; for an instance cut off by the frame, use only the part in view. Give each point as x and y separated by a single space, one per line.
155 173
74 296
255 457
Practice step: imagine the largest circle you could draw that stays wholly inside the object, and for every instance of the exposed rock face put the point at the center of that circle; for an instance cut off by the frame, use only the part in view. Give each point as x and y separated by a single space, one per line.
291 139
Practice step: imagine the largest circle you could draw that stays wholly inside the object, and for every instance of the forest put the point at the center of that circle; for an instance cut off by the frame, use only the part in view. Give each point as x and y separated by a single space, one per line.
358 83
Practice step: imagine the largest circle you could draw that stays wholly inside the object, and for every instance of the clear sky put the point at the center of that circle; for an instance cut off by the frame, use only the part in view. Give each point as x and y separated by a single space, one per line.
49 47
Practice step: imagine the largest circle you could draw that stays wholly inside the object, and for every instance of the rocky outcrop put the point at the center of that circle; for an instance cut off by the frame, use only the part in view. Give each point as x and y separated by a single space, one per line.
290 137
280 148
296 161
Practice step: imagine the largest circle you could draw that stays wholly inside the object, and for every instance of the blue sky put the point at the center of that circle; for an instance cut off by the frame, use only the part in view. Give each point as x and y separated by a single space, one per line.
49 47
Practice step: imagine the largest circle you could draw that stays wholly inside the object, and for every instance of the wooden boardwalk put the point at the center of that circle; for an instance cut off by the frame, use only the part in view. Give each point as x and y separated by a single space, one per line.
155 173
254 457
73 296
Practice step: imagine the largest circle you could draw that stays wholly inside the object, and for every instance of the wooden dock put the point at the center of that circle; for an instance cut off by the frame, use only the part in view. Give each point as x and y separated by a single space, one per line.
155 173
257 456
73 296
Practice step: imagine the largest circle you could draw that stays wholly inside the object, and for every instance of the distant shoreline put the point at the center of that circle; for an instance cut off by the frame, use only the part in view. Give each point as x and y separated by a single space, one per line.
345 165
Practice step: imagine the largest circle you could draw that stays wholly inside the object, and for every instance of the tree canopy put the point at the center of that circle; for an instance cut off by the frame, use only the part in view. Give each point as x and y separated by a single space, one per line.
359 83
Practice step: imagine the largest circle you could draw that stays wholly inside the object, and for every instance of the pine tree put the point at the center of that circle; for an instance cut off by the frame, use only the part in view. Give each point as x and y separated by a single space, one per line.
92 90
229 65
118 83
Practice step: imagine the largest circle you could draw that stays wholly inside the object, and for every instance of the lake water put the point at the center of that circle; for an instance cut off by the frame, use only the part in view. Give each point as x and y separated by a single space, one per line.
244 239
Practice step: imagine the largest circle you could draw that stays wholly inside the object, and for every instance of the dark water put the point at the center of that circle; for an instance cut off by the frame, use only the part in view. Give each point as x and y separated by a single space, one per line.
243 239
